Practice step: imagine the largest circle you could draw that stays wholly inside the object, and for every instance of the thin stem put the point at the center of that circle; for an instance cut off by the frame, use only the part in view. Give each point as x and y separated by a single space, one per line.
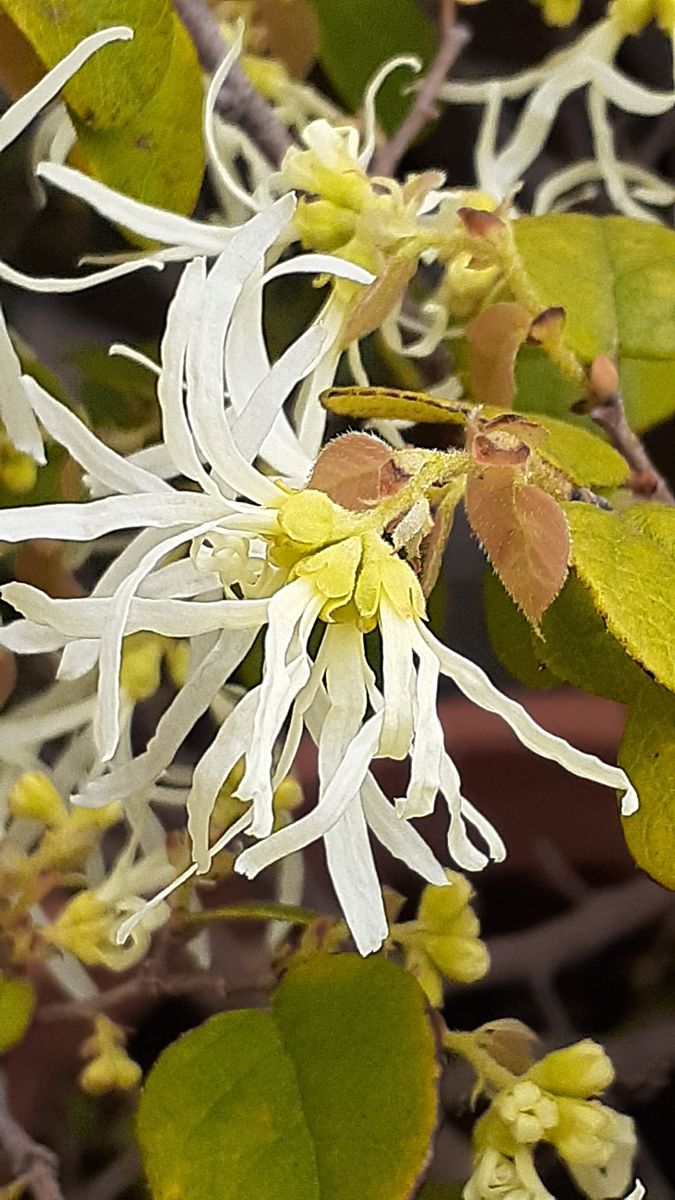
485 1066
29 1160
238 102
255 910
645 480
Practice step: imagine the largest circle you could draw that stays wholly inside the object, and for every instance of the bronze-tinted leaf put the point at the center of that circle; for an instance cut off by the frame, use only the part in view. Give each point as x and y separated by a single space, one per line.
524 533
495 337
356 471
378 300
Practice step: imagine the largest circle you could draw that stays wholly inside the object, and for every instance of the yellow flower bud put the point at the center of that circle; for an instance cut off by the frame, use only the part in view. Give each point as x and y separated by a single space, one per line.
581 1070
665 15
110 1069
177 656
141 665
559 12
528 1112
585 1133
18 472
632 15
34 796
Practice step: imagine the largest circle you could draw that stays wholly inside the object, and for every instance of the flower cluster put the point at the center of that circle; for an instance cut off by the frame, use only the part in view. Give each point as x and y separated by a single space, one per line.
554 1101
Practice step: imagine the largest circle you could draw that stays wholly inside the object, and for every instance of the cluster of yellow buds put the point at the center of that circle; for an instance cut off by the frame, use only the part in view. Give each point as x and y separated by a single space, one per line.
444 942
553 1100
110 1068
633 15
559 12
143 656
53 852
18 472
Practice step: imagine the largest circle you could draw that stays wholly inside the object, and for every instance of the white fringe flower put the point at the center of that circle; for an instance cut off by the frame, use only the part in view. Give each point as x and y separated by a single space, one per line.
587 63
279 559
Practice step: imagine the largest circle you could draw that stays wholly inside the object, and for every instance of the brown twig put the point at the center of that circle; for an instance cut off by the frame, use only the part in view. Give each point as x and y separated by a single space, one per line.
645 480
604 917
29 1160
238 102
454 38
144 983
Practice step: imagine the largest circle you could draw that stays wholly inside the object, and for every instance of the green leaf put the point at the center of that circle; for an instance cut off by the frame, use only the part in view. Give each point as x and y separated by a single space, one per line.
586 458
577 648
631 577
136 105
647 754
331 1096
615 278
512 636
441 1189
17 1004
357 37
541 388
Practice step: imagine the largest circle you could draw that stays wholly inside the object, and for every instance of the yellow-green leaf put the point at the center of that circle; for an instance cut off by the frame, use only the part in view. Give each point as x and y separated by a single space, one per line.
17 1003
615 278
631 577
136 105
363 403
586 458
647 754
330 1096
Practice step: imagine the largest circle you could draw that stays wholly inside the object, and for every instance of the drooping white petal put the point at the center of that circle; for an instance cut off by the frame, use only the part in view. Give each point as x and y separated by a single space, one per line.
320 264
183 312
110 468
255 422
154 223
370 96
428 742
337 797
88 617
178 580
127 927
205 366
462 849
399 837
84 522
190 703
398 673
15 411
26 637
78 283
24 110
351 866
227 178
19 731
229 745
476 686
292 614
106 725
81 655
309 415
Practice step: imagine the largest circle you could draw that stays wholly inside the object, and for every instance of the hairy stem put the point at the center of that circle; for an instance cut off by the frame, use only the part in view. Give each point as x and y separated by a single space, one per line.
29 1160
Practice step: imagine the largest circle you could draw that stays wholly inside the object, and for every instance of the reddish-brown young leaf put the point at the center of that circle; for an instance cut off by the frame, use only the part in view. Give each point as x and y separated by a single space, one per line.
492 450
377 301
495 337
356 471
479 223
524 533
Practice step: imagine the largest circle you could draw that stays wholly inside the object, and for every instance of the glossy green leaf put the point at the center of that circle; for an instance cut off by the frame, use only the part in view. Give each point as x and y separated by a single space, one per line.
330 1096
513 639
578 649
440 1189
631 577
357 37
136 105
647 754
615 278
586 458
17 1003
541 388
